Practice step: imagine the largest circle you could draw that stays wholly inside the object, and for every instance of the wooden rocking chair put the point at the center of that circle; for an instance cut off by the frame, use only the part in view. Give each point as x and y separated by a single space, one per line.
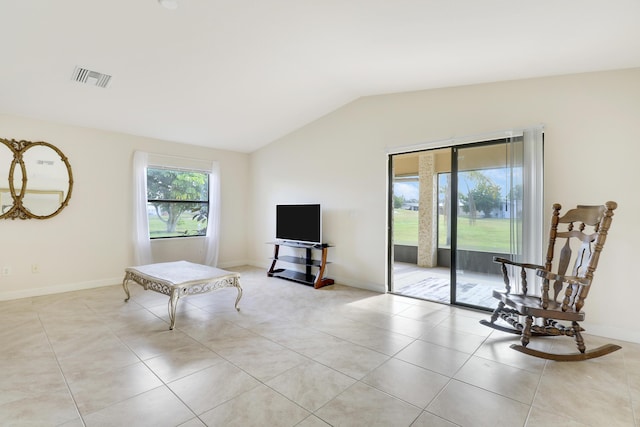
542 315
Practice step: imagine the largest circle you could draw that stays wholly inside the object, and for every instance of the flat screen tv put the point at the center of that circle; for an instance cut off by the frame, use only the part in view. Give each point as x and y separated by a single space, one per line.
299 223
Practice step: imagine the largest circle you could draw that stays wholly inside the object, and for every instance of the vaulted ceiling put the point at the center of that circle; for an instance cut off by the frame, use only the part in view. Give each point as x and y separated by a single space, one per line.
238 74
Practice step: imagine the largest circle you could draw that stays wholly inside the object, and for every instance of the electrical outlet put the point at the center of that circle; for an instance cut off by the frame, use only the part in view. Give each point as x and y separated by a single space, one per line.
5 271
35 268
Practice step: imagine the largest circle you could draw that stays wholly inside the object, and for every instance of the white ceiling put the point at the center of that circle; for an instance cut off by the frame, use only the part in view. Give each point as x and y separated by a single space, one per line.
238 74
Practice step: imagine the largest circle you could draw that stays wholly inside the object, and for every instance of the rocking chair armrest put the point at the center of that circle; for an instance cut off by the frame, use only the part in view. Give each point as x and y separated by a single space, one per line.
523 274
573 280
500 260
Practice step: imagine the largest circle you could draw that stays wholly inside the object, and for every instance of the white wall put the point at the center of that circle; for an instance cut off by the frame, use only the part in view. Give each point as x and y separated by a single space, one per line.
592 123
89 243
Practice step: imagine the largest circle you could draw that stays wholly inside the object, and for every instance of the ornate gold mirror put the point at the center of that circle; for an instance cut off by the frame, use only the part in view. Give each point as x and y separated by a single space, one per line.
39 180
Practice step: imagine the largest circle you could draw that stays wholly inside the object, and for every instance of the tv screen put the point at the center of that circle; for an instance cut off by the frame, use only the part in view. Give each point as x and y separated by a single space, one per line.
299 223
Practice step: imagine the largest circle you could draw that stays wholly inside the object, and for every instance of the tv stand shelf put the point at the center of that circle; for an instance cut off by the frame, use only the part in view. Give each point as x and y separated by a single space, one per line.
306 277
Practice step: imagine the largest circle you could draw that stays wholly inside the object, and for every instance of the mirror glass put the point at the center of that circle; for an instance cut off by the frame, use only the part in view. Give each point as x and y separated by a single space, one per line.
47 180
6 158
18 169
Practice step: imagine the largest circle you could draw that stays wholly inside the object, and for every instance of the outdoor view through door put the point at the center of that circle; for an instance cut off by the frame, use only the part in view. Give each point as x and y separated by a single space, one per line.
442 253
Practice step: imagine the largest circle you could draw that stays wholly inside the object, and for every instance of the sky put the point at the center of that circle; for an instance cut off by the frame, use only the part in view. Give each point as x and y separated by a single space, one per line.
410 189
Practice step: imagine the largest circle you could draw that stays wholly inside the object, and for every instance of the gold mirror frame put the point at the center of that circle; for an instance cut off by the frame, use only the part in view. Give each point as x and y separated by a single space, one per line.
18 209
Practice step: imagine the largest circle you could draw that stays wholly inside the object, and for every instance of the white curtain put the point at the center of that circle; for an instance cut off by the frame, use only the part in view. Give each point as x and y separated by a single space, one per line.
141 241
533 200
212 238
525 164
515 194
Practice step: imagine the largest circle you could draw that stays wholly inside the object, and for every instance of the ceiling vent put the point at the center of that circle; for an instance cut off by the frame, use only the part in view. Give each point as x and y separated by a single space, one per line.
93 78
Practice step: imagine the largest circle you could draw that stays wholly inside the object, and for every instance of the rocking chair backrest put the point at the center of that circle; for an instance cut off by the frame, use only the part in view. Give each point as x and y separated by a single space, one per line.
580 235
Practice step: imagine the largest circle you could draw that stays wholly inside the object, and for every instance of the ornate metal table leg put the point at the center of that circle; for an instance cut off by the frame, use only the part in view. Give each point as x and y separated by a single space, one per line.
239 295
173 303
125 285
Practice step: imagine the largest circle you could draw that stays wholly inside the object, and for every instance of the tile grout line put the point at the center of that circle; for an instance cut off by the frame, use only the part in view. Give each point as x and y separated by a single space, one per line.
64 377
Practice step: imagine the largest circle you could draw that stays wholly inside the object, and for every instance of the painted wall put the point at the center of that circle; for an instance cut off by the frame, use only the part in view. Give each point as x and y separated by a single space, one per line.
592 123
89 243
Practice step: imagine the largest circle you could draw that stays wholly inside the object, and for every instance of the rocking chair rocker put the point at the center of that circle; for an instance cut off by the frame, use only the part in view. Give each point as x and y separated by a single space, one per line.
542 315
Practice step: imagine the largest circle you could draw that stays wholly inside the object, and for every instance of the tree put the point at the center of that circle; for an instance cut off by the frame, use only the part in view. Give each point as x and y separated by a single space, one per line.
516 192
484 196
515 198
398 201
170 191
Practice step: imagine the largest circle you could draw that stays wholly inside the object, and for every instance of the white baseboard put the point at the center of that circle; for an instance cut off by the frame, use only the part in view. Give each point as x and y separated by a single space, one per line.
259 264
612 332
70 287
56 289
236 263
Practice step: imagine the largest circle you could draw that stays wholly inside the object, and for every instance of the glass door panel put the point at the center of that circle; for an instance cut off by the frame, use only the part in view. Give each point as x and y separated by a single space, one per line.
489 204
419 266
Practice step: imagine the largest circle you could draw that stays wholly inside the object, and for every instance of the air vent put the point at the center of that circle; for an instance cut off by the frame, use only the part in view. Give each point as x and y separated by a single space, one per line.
93 78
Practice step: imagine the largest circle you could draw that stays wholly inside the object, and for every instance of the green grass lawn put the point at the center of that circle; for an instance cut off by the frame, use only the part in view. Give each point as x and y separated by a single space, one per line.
185 227
487 234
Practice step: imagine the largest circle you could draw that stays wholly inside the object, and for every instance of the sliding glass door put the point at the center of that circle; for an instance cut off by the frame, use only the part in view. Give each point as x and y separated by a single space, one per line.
453 209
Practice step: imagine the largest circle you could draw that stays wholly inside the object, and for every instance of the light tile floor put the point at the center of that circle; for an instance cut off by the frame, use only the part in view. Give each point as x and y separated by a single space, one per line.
293 356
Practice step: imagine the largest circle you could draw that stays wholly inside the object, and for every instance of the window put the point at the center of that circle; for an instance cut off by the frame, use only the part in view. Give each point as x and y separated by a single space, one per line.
177 202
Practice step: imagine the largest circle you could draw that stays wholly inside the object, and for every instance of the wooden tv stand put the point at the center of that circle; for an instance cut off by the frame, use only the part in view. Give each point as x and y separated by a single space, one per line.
307 277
